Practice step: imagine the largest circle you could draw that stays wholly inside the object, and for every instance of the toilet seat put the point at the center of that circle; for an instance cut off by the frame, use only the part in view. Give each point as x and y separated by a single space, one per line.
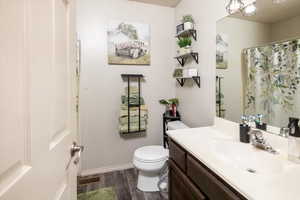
151 154
149 161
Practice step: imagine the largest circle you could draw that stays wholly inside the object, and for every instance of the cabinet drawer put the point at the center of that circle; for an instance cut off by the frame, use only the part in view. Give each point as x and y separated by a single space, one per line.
213 187
178 155
182 187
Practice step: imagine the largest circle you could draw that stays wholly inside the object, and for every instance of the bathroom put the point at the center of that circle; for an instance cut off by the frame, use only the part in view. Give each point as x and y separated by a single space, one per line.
211 90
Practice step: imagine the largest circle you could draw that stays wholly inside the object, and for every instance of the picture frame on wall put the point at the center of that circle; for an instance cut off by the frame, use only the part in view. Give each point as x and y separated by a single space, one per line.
222 51
128 43
179 28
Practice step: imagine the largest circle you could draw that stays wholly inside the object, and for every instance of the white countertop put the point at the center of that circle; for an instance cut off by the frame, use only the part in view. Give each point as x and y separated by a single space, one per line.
200 142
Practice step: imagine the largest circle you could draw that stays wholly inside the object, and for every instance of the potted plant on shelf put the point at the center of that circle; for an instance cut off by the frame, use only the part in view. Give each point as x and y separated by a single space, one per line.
170 104
188 22
184 45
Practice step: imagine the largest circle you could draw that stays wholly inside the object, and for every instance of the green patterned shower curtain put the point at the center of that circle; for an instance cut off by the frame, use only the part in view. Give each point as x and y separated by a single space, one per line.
271 81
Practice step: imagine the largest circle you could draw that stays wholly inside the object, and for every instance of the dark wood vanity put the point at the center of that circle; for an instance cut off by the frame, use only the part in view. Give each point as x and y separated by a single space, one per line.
189 179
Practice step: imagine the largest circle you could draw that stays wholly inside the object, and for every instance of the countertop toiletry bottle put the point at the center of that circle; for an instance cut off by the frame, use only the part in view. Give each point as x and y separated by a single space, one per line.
259 123
244 130
294 140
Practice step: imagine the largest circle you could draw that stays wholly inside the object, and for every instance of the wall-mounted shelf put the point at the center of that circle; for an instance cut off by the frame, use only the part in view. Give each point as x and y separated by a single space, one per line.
182 80
132 75
183 58
188 33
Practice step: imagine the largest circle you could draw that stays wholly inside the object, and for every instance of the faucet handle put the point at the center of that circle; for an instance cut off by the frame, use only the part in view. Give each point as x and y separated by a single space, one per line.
257 136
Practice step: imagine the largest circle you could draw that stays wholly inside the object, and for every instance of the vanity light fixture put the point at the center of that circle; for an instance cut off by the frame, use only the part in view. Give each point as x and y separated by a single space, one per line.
234 6
278 1
250 9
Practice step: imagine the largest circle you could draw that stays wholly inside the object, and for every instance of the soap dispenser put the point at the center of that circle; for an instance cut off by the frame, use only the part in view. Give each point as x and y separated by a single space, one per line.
294 140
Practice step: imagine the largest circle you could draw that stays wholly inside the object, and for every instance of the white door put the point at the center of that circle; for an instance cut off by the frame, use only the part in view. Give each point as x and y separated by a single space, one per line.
37 99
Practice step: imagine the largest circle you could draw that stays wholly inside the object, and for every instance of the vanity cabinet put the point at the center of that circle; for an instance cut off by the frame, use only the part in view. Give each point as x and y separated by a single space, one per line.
189 179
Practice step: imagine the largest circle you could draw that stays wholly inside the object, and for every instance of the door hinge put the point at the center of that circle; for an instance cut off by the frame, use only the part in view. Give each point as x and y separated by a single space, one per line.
77 108
78 58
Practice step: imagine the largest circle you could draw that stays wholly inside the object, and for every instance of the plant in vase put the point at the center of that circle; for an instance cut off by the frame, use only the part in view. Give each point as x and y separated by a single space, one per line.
170 104
188 22
184 45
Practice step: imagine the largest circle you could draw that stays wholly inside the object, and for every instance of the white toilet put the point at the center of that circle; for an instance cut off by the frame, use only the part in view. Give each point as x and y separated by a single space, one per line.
149 161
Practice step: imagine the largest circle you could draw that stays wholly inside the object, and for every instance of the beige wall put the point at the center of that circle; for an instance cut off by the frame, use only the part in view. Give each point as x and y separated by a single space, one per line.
198 105
102 86
251 34
286 29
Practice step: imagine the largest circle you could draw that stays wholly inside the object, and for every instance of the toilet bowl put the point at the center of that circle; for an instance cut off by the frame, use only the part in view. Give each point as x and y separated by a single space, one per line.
149 160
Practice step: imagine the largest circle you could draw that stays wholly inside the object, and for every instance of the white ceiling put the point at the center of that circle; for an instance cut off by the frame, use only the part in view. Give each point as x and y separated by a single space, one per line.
169 3
268 12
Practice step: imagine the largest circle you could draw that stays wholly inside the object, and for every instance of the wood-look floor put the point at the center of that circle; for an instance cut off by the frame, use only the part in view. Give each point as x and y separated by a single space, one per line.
124 182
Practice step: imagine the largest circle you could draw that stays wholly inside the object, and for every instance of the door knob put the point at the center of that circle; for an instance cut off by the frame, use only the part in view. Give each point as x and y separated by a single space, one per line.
75 148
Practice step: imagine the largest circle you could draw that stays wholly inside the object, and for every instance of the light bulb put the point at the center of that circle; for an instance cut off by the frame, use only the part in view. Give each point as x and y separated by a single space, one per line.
234 6
249 10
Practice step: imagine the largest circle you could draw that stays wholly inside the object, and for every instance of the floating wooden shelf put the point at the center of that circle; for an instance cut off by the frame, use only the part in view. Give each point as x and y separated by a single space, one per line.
182 80
134 132
183 58
188 33
134 105
132 75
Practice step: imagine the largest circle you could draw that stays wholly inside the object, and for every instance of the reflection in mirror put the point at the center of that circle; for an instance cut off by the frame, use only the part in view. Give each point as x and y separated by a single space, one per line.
258 63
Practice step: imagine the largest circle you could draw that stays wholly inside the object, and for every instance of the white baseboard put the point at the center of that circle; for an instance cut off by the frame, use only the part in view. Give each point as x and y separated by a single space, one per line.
106 169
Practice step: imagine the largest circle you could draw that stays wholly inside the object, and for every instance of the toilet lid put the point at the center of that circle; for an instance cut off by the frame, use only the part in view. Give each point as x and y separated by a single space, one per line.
151 154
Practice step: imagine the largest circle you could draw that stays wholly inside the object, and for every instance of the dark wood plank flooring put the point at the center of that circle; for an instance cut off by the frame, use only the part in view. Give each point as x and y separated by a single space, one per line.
124 182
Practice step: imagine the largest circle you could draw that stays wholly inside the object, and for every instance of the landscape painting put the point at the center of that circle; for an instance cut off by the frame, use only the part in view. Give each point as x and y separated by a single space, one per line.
128 43
222 51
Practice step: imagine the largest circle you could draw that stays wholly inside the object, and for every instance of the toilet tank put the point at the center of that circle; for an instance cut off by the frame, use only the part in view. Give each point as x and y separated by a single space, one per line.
175 125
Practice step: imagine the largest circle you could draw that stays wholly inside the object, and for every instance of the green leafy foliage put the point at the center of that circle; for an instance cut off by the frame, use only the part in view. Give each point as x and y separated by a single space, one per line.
187 18
169 101
185 41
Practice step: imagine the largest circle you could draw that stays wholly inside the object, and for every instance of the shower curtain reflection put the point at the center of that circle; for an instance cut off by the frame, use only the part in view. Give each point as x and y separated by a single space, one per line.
272 76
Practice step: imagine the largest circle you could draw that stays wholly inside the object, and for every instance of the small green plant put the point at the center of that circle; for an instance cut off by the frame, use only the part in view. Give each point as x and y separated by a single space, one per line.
169 102
187 18
183 42
178 72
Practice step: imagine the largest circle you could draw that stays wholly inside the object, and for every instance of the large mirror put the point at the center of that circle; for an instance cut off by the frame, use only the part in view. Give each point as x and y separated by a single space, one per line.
258 63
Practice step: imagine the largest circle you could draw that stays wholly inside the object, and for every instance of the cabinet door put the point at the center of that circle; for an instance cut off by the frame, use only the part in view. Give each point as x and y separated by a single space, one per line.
178 155
207 182
180 186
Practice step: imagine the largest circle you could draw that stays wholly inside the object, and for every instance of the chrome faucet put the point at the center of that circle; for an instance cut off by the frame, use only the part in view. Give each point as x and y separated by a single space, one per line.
257 139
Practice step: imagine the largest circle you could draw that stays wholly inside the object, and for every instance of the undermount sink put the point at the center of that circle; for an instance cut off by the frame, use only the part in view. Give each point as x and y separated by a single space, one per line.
248 158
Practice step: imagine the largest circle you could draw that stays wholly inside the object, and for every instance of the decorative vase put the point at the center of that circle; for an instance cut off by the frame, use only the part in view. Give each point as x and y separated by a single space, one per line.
184 50
181 51
188 49
188 25
174 110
